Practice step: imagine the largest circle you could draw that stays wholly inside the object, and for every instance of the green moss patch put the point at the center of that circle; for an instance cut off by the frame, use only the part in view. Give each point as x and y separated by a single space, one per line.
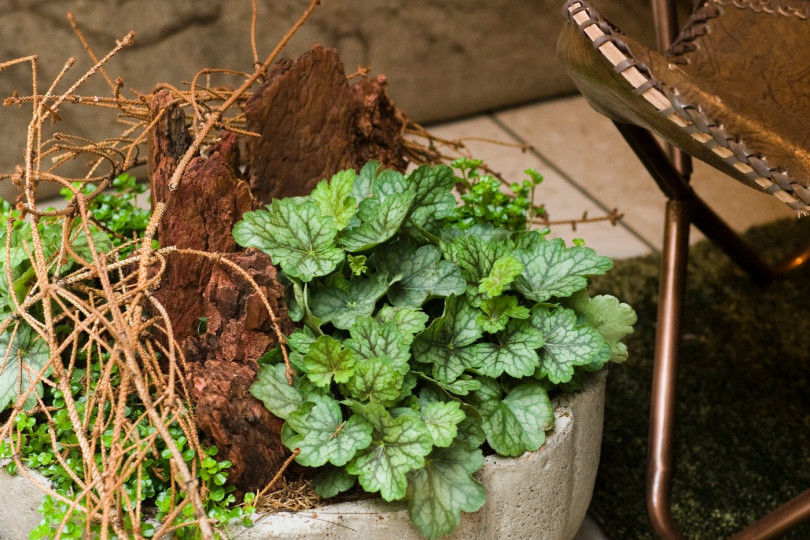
743 426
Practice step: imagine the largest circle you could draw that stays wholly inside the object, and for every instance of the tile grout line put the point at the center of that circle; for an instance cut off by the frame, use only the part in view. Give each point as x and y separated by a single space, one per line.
566 177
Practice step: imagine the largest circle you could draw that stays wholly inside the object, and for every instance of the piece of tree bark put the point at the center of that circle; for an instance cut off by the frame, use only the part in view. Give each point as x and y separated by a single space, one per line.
200 215
237 333
313 123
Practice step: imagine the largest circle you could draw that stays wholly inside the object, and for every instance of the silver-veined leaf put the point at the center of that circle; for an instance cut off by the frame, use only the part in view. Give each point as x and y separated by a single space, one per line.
23 354
399 445
553 270
422 274
567 344
295 234
443 488
519 422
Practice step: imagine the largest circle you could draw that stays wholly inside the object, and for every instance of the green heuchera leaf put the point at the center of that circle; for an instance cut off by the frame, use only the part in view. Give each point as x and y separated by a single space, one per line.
301 340
461 386
409 321
334 198
389 182
498 311
302 301
398 446
567 344
21 285
370 339
331 481
342 307
326 360
470 430
18 233
272 388
323 434
447 343
81 245
518 423
275 356
364 181
514 353
490 390
408 384
434 199
357 264
294 294
379 221
553 270
422 274
611 318
296 236
22 355
474 256
504 270
377 380
483 231
443 488
442 419
290 437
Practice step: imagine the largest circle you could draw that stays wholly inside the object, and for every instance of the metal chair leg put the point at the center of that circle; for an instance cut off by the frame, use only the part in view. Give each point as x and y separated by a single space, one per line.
674 186
684 207
788 516
665 369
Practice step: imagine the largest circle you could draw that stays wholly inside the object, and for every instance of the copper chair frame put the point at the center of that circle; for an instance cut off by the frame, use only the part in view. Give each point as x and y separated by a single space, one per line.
671 169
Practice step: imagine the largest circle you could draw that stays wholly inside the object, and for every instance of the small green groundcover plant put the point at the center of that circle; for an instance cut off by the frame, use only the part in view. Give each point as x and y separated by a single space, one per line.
429 331
117 220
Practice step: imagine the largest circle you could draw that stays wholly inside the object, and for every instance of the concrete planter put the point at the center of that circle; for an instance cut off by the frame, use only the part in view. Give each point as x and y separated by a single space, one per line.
542 494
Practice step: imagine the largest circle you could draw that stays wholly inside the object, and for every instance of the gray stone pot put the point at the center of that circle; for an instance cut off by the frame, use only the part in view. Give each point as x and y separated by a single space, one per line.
542 494
539 495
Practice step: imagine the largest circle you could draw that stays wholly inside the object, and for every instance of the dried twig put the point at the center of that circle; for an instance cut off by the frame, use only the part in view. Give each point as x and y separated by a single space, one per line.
613 218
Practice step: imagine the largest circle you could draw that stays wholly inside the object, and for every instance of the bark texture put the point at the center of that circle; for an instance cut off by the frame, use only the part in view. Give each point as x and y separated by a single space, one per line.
209 201
313 123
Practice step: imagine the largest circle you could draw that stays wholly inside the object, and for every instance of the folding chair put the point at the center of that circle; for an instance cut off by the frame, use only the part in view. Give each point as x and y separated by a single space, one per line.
732 89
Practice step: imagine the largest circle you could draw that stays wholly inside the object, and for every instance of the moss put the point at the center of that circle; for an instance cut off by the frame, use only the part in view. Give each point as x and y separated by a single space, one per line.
743 426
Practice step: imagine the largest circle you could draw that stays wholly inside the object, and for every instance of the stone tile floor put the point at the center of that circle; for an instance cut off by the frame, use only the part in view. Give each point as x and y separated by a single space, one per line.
588 167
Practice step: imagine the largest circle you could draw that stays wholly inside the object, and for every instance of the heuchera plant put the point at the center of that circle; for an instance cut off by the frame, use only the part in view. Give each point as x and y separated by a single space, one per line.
423 336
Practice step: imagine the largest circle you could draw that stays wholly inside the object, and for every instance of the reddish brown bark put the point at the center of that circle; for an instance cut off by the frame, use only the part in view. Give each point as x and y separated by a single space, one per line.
238 332
314 123
200 215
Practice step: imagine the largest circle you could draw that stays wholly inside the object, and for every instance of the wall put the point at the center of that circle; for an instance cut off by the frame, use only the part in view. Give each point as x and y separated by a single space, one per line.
443 59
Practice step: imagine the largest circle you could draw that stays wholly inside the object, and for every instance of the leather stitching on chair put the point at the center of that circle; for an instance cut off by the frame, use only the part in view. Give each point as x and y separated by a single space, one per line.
697 25
667 102
768 6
